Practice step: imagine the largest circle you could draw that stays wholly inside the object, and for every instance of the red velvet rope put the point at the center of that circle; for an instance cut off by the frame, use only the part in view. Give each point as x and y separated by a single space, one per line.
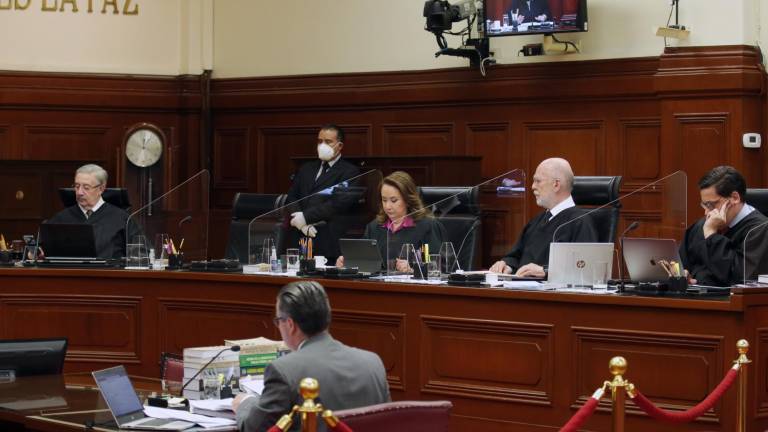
690 414
581 416
274 429
340 427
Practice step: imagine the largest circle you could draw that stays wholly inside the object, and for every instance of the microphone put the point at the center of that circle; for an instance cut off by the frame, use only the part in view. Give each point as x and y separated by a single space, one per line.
622 262
474 226
234 348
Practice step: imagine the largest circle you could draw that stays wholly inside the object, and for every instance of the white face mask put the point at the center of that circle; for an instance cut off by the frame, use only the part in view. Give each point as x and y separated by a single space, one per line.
324 152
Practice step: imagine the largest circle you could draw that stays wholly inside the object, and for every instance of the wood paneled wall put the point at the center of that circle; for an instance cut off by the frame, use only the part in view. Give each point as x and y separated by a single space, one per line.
641 118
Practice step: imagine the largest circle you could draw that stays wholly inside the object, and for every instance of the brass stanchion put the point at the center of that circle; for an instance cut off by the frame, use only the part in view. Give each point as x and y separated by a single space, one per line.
741 399
618 366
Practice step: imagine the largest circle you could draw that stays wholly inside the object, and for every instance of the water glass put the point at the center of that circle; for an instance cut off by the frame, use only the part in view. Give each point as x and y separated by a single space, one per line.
506 21
211 388
433 267
292 258
266 251
137 254
159 254
600 275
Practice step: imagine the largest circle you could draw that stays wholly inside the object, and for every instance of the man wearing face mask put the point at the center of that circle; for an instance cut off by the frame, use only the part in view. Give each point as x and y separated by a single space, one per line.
312 188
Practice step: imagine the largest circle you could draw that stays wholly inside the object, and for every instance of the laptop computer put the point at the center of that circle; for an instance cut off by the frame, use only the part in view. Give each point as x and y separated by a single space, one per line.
642 257
125 405
69 244
580 264
361 253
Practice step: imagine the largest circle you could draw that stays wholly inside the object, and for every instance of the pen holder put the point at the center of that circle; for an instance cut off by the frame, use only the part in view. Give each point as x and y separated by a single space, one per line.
175 261
677 284
307 265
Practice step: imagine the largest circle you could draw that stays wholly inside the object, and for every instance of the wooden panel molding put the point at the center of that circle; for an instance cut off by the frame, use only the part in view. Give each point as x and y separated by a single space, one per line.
694 359
188 323
101 329
418 139
520 368
57 142
761 374
582 143
381 333
493 142
231 158
640 142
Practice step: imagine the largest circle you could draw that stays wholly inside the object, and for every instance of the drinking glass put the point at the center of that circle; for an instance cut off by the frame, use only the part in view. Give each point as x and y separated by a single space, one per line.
160 252
266 251
292 258
137 255
600 275
506 21
433 267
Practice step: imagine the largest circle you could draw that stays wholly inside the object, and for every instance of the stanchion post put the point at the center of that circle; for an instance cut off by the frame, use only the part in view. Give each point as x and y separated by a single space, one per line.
741 399
618 367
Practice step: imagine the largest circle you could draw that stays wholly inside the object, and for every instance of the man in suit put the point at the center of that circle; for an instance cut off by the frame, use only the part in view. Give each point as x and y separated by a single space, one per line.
312 191
530 10
713 249
561 222
348 377
109 222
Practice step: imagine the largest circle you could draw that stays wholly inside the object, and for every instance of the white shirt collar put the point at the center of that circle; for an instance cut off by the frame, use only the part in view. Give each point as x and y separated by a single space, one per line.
564 205
95 208
333 161
745 210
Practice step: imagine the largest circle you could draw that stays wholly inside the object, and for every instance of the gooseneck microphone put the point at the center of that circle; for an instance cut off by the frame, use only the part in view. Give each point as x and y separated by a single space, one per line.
622 262
234 348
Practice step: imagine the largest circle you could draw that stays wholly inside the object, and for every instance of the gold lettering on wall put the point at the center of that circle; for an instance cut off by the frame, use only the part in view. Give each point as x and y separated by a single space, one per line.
47 8
5 4
127 7
70 2
21 4
112 3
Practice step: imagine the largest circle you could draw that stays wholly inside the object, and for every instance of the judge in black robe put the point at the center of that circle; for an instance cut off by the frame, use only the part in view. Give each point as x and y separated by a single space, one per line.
562 222
425 231
713 249
312 192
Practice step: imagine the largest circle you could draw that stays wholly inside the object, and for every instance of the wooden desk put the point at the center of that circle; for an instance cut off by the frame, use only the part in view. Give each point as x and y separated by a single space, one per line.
509 361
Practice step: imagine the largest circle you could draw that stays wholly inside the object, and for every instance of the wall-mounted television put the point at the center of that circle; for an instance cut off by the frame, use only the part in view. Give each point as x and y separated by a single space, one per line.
525 17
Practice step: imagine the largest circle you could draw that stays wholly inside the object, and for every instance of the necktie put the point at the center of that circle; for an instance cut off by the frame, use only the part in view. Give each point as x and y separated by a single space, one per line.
325 167
88 214
547 216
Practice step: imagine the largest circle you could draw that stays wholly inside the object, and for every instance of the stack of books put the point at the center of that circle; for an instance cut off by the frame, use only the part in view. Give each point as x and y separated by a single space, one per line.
256 354
224 369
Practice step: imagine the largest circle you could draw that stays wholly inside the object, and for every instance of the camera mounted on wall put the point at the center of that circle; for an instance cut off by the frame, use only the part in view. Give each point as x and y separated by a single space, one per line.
440 16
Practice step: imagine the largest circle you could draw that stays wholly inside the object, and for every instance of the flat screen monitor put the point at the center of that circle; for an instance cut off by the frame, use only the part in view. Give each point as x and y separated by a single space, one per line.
33 356
525 17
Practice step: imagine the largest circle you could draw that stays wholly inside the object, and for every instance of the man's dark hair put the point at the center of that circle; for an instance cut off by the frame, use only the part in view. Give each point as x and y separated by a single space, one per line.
306 303
339 131
725 179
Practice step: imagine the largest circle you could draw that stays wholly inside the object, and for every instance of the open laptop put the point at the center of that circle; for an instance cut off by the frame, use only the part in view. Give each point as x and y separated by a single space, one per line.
125 405
69 244
361 253
580 264
642 256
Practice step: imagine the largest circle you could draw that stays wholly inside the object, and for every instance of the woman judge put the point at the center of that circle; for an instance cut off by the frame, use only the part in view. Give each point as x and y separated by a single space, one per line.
402 219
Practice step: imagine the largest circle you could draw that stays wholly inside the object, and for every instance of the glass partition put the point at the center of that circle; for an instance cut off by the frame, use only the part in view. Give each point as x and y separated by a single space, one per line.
754 261
171 229
283 238
448 234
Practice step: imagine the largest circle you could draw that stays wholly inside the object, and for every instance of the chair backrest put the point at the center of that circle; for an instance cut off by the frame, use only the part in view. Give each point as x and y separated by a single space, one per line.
460 216
116 196
596 191
403 416
171 367
758 198
245 207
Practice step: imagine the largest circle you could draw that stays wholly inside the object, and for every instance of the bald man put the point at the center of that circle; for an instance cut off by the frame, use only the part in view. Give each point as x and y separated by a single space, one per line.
552 185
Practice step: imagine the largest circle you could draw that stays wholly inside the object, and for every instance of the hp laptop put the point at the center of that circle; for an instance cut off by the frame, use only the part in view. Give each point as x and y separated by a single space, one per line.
642 256
69 245
124 403
580 264
361 253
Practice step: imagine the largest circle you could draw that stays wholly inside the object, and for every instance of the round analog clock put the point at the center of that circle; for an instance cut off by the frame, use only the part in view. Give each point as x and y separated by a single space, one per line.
144 145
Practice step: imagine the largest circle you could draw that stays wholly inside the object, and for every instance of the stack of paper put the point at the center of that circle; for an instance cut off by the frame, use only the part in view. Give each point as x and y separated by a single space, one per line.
224 368
256 354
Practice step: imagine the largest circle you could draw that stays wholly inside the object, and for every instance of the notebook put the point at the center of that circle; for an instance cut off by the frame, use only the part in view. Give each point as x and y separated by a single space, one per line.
580 264
125 405
643 254
361 253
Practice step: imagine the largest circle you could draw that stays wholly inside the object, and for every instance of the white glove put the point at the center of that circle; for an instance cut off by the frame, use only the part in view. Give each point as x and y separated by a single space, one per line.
309 231
298 221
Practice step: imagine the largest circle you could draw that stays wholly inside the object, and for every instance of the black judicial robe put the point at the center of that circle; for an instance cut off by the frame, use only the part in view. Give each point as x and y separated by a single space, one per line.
322 205
109 224
719 259
427 230
533 244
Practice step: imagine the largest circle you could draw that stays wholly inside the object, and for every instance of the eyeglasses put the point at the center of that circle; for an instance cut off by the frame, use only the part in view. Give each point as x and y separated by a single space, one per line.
276 320
85 187
710 205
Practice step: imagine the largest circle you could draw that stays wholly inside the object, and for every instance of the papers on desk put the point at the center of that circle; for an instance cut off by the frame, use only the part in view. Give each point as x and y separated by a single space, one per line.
253 385
253 269
221 408
201 420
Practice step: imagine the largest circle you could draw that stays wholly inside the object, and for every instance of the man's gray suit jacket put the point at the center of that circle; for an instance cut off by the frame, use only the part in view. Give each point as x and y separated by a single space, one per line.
348 378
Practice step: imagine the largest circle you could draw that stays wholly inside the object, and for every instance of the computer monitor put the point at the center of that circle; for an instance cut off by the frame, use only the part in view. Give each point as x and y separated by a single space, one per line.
33 356
522 17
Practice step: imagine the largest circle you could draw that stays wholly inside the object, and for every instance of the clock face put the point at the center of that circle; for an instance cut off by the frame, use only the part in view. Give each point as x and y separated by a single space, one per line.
144 147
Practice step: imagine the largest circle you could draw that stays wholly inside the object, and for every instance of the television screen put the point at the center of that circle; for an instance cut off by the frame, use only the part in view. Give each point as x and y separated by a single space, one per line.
523 17
33 356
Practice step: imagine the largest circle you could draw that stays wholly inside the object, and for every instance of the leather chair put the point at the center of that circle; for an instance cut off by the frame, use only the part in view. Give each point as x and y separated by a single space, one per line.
171 367
758 198
245 207
116 196
596 191
403 416
456 207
